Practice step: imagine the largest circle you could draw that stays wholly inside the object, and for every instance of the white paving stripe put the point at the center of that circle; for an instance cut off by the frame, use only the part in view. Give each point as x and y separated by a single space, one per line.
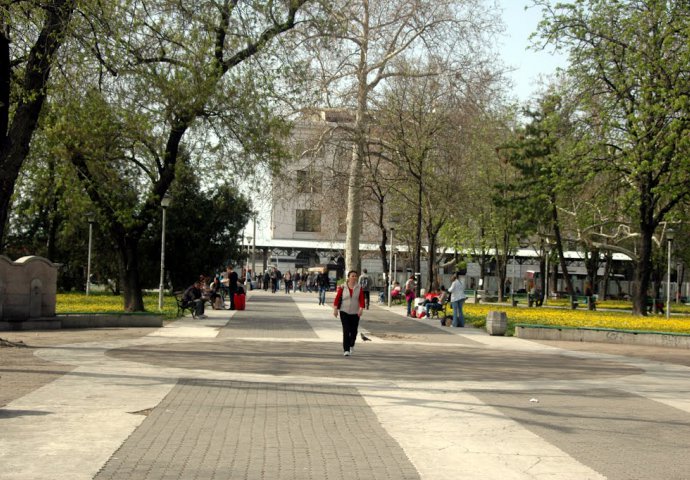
453 435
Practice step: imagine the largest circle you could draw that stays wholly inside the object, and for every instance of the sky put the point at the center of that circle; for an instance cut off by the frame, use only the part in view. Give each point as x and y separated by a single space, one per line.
520 23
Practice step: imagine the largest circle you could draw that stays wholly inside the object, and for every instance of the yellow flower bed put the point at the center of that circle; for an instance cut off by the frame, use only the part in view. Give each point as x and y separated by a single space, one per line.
617 305
581 318
108 303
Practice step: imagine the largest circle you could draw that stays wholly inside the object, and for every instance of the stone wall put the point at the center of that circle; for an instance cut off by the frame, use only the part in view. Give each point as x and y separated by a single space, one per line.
28 288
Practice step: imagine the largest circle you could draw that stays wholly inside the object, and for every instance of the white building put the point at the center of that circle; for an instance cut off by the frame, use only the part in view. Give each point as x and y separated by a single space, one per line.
308 206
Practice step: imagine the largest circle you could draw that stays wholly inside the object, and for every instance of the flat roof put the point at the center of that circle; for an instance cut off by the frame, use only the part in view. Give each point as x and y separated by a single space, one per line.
340 245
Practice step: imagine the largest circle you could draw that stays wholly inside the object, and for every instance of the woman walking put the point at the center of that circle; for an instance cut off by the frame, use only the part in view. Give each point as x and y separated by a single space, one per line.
349 303
410 293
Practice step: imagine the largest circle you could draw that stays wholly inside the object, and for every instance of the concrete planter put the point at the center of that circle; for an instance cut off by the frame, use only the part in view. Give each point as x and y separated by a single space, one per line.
86 320
602 335
496 323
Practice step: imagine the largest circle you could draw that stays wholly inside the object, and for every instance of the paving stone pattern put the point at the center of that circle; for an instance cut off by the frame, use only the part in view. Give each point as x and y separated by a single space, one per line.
286 322
381 324
207 429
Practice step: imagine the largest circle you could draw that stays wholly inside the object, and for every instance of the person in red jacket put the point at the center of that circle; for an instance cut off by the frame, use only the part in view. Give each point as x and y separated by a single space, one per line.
349 303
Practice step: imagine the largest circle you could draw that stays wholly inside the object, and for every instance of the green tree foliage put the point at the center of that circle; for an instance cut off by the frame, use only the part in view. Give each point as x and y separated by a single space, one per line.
629 62
544 155
158 78
202 231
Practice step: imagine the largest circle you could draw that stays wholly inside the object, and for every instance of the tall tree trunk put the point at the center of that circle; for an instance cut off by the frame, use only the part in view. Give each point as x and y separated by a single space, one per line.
354 206
543 277
643 272
592 267
502 265
354 210
559 247
418 233
643 268
607 275
129 275
16 137
431 264
383 251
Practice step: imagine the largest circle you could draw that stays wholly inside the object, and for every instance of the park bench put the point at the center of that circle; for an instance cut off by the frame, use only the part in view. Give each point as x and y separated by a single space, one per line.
471 295
576 300
518 298
655 305
530 299
182 305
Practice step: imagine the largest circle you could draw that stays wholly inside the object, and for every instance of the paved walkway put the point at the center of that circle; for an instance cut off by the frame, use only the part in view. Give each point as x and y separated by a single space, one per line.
266 394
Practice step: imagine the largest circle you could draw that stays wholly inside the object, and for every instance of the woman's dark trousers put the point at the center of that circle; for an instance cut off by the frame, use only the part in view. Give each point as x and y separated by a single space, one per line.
350 326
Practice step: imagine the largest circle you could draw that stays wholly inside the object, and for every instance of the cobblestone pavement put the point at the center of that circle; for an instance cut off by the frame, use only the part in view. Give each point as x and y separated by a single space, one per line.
259 431
265 393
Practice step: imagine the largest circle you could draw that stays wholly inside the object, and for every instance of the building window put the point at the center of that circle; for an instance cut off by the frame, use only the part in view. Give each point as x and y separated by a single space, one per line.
308 221
309 181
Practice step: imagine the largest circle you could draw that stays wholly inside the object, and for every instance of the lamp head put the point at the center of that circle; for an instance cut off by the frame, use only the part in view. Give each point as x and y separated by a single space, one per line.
166 200
90 217
670 234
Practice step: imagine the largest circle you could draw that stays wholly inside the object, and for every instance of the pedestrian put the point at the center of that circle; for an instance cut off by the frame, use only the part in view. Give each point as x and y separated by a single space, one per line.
457 299
192 294
349 303
232 277
287 278
410 293
267 281
322 284
248 279
365 282
279 277
215 294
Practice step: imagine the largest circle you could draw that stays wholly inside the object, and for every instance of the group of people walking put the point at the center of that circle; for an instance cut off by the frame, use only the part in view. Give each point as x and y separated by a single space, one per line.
290 282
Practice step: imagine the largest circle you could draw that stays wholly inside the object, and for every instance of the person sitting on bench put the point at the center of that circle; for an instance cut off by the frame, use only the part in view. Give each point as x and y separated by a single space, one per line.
193 295
435 304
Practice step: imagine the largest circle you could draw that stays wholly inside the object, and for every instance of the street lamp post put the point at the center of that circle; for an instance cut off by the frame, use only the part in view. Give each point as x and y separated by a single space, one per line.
669 237
547 250
395 261
523 243
393 220
254 247
249 249
512 276
165 203
390 270
91 217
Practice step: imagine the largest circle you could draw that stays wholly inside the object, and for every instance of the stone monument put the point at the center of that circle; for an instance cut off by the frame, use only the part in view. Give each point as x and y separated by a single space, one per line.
28 289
